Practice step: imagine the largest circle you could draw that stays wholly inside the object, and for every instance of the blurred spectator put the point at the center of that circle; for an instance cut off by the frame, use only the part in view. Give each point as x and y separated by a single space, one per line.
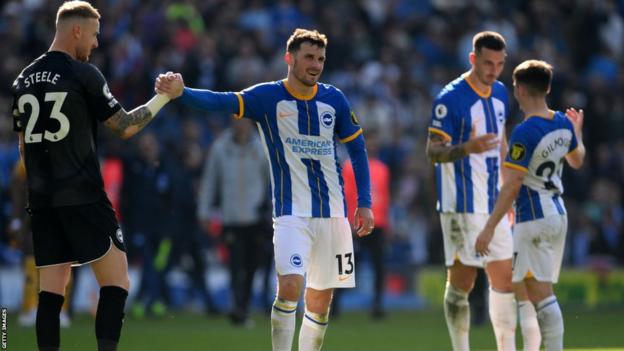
389 57
236 175
146 206
189 242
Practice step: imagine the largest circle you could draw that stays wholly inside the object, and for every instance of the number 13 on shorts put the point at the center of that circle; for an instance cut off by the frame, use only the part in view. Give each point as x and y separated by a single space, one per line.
345 264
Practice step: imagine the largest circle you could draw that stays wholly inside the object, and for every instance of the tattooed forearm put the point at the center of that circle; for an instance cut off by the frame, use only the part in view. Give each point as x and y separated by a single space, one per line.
137 118
438 151
126 124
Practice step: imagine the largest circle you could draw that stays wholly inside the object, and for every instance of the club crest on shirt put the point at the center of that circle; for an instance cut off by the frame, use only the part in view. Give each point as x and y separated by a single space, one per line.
327 119
517 151
440 111
296 260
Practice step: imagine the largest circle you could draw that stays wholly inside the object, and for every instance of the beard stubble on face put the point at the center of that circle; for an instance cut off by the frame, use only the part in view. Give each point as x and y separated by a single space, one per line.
301 77
487 79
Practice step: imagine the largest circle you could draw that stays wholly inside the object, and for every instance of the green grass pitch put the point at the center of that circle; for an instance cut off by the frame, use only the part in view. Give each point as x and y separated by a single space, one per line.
353 331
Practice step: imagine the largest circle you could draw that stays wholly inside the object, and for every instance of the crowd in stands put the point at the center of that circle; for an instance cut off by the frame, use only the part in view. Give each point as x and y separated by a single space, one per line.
390 58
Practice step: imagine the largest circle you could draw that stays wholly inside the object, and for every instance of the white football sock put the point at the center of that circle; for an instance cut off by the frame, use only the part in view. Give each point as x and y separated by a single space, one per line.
312 331
457 313
283 324
531 337
550 323
503 315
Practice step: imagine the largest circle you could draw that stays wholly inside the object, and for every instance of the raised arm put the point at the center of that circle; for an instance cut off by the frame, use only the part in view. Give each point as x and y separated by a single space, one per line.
173 86
126 124
575 157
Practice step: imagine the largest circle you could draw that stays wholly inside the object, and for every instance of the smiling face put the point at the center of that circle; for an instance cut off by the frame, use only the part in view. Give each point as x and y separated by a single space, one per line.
306 63
487 64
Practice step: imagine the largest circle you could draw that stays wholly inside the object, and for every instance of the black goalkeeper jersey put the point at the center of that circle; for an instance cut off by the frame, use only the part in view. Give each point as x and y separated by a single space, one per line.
57 103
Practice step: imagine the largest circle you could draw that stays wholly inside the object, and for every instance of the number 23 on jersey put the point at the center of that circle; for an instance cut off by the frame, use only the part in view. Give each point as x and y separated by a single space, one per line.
57 98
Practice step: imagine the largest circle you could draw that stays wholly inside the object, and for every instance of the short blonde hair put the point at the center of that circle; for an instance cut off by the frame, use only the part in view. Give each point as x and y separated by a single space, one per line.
76 8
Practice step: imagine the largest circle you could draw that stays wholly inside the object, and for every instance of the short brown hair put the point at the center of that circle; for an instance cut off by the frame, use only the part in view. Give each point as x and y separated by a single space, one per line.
301 36
76 8
489 40
535 75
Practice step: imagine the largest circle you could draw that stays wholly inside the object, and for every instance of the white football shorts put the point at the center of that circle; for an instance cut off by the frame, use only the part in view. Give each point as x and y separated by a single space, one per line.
460 231
538 248
319 248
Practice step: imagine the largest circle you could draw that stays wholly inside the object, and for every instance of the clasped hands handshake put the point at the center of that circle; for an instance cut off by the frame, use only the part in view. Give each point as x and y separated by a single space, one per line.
169 84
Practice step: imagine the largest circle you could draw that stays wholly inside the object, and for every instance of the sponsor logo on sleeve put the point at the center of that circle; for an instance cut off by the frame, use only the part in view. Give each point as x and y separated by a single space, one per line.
107 93
518 151
440 111
354 119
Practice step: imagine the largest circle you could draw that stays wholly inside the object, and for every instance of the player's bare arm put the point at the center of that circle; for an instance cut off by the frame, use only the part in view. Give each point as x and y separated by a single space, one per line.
126 124
508 193
576 157
503 147
439 150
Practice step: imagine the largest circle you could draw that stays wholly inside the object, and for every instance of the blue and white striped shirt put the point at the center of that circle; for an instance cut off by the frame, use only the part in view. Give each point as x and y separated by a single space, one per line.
460 111
538 146
298 134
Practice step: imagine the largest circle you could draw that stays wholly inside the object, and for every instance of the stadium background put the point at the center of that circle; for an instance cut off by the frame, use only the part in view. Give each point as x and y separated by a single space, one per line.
390 58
